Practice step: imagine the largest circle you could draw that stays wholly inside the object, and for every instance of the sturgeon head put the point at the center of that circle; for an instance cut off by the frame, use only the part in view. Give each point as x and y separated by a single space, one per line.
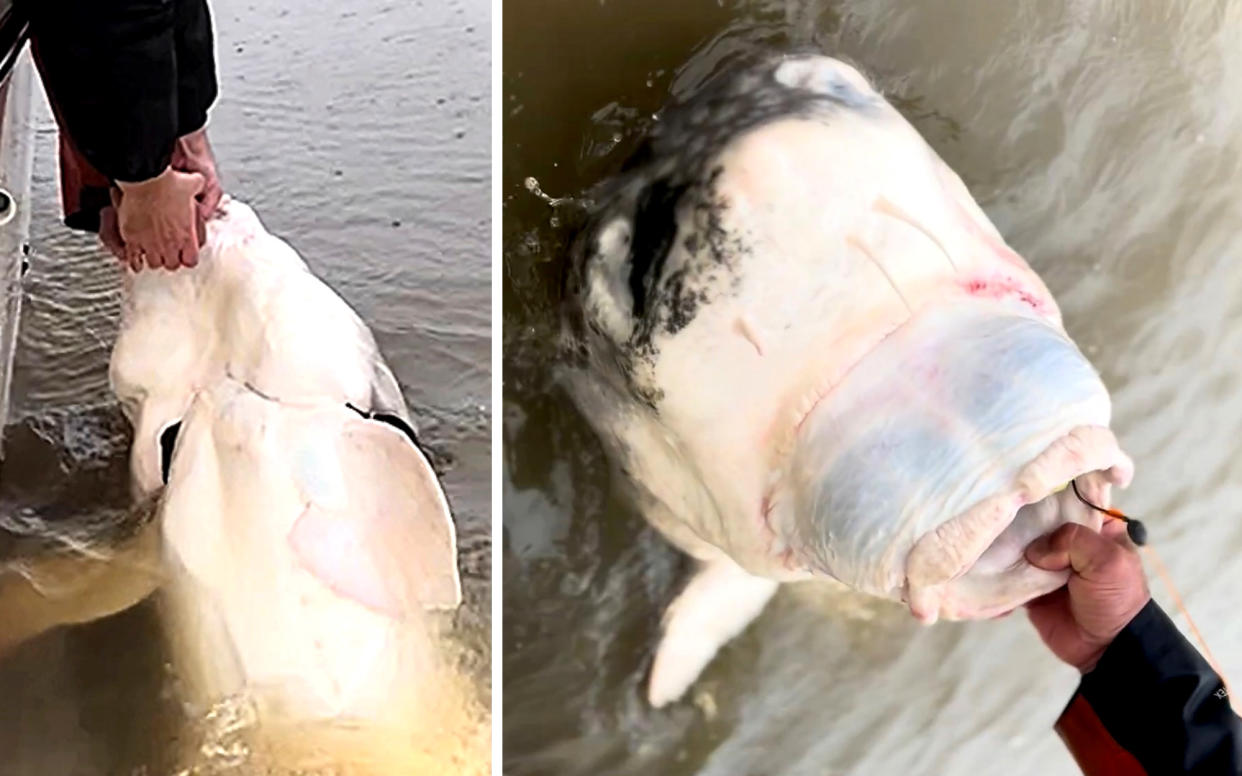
814 354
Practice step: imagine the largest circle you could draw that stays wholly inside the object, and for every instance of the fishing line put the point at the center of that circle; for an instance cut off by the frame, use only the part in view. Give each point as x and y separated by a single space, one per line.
1136 530
1138 534
1163 572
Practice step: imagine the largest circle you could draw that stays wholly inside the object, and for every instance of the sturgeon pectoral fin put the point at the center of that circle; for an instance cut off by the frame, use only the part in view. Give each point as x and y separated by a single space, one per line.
718 603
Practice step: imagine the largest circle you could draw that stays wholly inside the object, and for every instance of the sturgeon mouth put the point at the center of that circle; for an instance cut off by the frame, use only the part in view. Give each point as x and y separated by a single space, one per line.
928 469
973 565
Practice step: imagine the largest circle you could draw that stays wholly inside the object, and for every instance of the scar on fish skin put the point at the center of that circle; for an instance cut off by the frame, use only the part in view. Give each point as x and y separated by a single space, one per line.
854 242
254 389
744 327
765 518
882 205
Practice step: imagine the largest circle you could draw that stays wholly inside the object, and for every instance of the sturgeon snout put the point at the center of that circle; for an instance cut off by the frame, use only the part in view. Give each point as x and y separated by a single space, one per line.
925 473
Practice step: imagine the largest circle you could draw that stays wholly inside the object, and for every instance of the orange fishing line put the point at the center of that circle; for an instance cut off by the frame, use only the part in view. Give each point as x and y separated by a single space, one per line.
1139 535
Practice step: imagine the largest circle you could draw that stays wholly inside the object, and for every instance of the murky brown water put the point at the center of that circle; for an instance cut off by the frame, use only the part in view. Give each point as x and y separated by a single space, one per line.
362 136
1105 141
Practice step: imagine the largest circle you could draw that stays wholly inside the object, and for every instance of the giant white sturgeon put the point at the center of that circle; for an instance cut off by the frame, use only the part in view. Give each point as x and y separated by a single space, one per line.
815 357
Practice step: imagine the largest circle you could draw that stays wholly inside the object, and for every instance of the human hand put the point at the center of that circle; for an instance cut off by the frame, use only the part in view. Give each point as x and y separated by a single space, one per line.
1106 589
110 233
158 219
193 154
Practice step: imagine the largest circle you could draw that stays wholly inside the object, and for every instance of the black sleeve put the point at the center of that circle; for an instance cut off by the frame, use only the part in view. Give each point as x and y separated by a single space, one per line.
128 77
1162 702
196 65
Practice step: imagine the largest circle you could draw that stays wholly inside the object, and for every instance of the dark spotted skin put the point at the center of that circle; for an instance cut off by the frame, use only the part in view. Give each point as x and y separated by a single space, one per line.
655 227
673 176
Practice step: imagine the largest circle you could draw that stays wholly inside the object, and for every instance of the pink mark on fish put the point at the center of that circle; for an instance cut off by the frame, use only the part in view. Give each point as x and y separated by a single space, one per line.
765 520
744 327
335 551
1004 288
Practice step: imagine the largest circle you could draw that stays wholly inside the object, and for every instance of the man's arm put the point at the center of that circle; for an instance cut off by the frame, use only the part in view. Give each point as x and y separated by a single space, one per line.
131 82
111 70
1159 700
1148 702
196 65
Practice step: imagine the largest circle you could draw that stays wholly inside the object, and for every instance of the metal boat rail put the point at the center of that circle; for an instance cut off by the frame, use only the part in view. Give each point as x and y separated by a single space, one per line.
16 162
